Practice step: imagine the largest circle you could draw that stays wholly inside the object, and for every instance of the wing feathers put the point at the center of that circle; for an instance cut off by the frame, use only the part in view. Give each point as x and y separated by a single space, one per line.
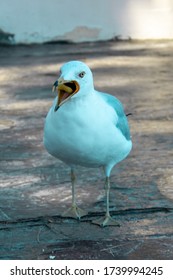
122 123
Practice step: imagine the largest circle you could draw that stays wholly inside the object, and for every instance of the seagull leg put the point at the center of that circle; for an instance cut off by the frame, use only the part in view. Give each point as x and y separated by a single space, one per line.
74 211
107 220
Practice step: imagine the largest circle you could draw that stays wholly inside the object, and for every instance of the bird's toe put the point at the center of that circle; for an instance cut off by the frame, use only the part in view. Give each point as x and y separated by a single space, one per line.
74 212
107 220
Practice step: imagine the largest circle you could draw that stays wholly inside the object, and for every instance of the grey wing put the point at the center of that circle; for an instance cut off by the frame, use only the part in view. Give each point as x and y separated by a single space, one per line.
122 123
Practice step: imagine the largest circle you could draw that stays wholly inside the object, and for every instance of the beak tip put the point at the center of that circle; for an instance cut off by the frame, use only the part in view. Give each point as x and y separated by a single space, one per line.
56 83
56 108
54 86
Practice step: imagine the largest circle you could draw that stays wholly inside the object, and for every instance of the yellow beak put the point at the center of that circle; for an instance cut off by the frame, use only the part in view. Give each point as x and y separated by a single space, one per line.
66 89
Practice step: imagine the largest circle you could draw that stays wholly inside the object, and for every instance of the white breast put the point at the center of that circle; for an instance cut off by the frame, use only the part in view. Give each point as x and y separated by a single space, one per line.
83 132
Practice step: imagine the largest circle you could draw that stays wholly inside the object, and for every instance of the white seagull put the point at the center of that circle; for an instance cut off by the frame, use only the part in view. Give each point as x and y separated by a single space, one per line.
86 127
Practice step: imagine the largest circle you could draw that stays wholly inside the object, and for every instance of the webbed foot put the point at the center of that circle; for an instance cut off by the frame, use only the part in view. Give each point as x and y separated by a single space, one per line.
74 212
107 220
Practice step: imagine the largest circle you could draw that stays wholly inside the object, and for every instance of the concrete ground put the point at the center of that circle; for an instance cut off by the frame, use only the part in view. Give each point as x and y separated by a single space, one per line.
35 187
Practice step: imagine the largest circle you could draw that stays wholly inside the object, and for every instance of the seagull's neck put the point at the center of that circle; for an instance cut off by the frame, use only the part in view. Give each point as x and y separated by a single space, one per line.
80 101
87 96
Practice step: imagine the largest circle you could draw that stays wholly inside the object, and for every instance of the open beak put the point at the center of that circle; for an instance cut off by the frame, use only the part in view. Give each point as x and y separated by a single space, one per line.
66 89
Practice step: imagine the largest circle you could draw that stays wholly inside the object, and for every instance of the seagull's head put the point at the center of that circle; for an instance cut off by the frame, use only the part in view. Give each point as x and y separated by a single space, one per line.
75 80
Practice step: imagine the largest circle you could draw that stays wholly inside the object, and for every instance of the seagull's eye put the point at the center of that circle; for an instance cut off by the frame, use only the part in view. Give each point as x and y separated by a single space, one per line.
82 74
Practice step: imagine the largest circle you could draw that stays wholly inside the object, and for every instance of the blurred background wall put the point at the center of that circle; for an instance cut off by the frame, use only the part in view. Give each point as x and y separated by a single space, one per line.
38 21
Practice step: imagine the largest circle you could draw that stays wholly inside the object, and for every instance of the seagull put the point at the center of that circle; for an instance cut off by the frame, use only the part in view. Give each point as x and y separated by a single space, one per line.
86 127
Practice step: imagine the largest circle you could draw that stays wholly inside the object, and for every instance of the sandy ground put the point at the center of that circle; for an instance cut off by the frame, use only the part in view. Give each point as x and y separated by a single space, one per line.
35 187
